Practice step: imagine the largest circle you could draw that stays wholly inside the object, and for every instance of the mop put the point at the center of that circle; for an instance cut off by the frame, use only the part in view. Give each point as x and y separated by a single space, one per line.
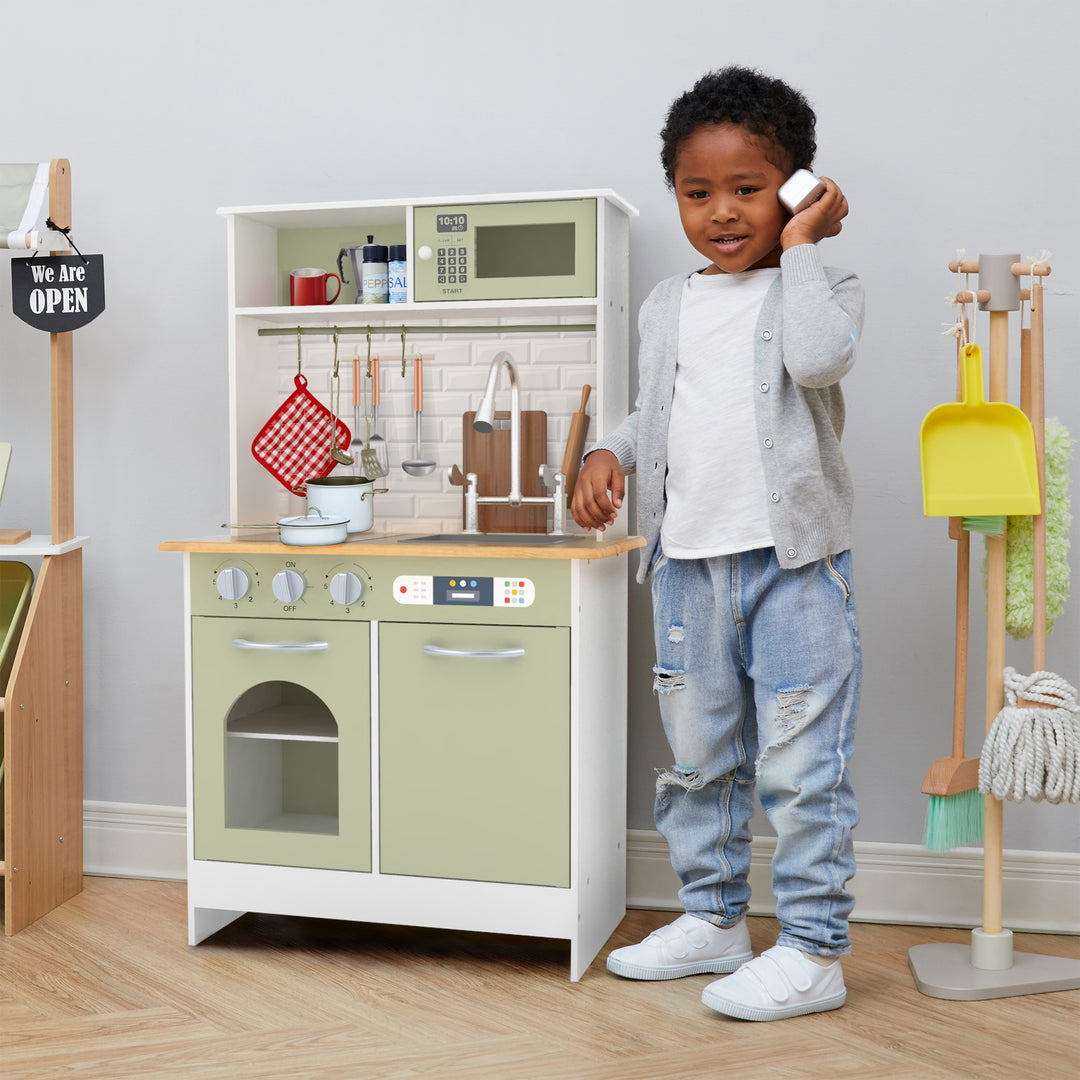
1032 749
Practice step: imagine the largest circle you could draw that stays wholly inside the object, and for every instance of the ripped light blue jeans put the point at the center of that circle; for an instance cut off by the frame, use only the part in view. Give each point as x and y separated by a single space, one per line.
757 673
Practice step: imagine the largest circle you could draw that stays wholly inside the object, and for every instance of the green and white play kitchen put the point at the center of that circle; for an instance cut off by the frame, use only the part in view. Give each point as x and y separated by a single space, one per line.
432 730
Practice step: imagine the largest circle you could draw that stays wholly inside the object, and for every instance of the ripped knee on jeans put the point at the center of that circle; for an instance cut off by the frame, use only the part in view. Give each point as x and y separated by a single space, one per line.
678 776
667 680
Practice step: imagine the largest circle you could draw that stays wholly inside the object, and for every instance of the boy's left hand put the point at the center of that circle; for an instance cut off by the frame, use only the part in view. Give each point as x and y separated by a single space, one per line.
820 219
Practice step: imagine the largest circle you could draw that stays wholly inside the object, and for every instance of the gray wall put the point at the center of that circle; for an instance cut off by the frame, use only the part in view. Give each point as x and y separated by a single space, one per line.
948 125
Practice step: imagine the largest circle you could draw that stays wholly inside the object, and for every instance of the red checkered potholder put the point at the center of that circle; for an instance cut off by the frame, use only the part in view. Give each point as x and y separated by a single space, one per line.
294 444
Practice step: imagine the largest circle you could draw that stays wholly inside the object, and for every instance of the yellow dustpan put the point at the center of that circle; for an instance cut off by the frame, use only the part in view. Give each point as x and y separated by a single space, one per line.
978 457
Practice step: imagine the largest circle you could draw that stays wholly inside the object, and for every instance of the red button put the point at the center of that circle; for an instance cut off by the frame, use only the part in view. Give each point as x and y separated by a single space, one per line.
404 588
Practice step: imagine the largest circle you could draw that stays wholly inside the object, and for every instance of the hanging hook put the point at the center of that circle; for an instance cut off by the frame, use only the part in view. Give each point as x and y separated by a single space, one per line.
335 352
369 352
299 365
403 350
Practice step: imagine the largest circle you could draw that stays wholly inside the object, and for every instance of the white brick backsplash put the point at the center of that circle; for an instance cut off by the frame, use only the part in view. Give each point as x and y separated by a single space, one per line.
551 371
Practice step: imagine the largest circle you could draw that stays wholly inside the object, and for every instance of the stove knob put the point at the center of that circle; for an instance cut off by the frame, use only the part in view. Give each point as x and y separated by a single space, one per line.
288 586
345 588
232 583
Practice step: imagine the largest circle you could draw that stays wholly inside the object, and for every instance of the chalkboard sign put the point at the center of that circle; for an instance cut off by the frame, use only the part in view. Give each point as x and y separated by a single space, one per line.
58 293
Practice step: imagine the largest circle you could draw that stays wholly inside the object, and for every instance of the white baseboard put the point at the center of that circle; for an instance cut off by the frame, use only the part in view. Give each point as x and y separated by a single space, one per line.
133 840
894 883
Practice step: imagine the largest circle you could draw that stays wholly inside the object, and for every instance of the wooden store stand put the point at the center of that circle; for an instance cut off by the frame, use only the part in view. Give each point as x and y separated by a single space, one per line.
42 704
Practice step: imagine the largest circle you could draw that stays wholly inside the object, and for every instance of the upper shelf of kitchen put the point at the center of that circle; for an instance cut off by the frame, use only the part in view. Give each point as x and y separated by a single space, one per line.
483 257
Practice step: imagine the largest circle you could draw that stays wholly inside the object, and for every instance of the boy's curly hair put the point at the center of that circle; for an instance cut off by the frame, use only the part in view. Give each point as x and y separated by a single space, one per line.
765 106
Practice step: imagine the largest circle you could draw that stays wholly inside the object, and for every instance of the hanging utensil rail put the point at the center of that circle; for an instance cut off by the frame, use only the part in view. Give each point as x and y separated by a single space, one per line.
539 328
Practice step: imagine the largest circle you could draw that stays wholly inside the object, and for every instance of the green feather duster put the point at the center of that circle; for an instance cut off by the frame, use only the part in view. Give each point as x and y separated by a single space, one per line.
1020 553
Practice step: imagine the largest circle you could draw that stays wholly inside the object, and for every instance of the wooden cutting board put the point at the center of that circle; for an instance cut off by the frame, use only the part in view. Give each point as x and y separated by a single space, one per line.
489 457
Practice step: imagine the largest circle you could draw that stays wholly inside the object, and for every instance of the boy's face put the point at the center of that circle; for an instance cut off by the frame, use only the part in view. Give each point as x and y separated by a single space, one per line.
726 189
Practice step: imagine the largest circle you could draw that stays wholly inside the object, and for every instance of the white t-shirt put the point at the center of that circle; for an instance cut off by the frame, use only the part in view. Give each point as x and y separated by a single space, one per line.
716 496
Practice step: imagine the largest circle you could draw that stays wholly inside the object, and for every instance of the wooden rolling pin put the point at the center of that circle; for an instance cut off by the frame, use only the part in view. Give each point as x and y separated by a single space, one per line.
575 443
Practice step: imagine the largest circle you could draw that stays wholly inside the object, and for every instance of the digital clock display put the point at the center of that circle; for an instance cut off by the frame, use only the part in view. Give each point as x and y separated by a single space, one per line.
451 223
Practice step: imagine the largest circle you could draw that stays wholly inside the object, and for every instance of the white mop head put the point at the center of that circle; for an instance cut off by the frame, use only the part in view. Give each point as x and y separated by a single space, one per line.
1034 753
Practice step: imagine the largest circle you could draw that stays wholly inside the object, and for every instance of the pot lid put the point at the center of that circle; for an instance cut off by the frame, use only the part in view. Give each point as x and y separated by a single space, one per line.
338 481
313 519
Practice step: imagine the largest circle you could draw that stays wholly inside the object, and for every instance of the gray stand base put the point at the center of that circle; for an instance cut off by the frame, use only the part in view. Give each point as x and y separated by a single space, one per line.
945 971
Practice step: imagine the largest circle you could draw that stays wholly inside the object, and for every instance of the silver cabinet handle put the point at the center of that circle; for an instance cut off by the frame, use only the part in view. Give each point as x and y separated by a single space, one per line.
475 654
283 646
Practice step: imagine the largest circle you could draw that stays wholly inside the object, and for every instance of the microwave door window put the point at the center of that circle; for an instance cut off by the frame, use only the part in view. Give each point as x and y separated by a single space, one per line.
508 251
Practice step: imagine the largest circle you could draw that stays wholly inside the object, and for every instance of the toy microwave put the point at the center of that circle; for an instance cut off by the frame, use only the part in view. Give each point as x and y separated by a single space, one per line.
504 250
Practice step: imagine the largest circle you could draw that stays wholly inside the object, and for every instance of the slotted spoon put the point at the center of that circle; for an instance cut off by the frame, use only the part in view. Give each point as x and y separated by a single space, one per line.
375 457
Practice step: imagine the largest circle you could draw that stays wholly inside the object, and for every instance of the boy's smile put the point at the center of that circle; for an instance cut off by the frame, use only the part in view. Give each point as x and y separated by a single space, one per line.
727 194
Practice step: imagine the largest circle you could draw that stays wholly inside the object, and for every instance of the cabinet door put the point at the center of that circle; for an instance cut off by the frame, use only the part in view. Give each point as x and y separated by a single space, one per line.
282 742
474 752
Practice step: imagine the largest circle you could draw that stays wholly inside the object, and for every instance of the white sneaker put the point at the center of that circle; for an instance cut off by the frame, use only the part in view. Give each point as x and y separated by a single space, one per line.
688 946
781 982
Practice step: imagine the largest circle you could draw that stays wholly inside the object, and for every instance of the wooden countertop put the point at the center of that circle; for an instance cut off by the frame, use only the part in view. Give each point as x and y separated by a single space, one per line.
370 543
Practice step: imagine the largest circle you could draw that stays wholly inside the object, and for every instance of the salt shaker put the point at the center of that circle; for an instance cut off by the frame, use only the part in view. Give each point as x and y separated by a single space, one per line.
398 272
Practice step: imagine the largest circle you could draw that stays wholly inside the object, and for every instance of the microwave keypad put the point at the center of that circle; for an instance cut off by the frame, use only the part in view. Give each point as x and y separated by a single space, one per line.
453 267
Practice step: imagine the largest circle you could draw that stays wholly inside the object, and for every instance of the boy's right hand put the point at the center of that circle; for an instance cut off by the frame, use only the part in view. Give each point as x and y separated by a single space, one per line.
600 473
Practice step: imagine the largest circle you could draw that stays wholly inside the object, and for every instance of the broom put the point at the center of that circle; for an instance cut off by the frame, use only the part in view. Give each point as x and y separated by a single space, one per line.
954 817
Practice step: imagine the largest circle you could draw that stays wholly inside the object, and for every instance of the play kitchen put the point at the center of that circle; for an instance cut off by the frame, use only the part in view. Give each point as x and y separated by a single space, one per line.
423 723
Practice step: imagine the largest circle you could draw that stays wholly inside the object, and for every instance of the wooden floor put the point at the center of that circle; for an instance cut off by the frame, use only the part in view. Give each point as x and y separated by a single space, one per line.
107 988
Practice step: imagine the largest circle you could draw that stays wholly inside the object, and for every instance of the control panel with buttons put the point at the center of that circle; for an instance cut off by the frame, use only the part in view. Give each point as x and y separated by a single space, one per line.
466 590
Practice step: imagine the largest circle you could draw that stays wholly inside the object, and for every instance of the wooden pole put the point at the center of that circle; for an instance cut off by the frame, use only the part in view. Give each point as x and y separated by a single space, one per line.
61 354
1037 414
995 645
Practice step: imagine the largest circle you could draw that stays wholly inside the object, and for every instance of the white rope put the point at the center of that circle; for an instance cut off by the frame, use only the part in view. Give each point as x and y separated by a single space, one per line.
1034 753
958 329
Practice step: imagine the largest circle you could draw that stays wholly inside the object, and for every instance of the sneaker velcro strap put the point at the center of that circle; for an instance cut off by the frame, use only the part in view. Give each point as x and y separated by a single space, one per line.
780 971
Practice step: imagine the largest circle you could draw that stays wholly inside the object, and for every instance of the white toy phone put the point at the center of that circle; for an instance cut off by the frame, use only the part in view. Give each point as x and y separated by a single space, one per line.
800 189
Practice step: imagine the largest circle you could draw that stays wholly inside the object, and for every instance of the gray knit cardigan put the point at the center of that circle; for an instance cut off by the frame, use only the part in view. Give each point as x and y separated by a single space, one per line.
806 339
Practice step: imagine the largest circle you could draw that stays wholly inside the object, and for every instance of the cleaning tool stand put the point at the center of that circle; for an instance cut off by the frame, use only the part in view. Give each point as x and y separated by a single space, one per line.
990 968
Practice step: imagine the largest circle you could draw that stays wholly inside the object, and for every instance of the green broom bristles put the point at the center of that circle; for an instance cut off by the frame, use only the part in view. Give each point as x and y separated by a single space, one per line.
987 524
954 821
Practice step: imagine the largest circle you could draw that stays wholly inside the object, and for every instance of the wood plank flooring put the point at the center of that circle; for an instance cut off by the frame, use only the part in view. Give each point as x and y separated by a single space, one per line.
106 987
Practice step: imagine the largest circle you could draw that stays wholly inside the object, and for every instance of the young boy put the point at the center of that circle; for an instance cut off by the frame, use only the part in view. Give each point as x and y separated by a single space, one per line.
745 503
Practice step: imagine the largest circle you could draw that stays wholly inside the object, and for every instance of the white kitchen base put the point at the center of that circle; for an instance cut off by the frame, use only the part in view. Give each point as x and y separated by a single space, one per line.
218 893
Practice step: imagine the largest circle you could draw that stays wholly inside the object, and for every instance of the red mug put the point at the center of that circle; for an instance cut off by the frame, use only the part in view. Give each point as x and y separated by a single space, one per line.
308 287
